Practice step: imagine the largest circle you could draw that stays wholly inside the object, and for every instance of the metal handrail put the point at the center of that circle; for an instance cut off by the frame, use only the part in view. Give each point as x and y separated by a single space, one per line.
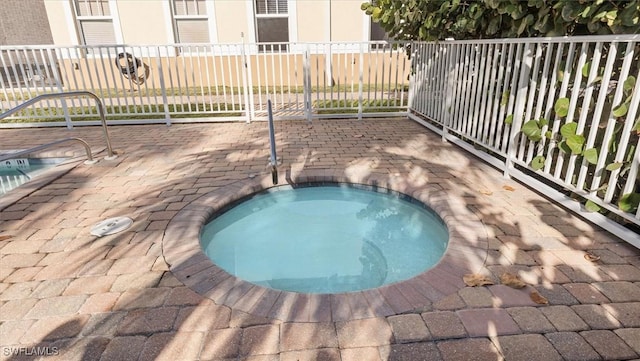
70 94
89 160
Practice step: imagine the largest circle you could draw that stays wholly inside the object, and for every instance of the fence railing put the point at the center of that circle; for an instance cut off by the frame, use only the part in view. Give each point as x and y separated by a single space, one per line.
208 81
550 111
560 114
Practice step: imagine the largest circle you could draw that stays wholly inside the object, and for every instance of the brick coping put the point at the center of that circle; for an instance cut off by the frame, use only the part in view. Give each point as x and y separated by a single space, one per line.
465 253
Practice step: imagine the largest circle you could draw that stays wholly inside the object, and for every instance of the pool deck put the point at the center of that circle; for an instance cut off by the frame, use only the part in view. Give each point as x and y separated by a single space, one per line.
69 295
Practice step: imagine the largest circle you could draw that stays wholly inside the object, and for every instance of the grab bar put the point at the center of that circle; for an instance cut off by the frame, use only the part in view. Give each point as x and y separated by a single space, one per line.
89 160
70 94
273 160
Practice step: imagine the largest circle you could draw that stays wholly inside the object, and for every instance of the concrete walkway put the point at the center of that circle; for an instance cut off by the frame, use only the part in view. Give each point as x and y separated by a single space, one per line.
67 295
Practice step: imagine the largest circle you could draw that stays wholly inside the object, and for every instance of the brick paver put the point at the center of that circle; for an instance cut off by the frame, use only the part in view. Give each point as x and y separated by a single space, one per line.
528 347
609 345
480 349
116 297
572 346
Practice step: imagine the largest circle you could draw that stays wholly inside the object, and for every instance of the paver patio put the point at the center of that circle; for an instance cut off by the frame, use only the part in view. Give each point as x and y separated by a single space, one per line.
67 295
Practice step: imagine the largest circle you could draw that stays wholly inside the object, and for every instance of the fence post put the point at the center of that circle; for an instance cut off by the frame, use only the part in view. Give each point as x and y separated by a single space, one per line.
306 75
58 80
245 83
360 80
163 88
450 84
518 111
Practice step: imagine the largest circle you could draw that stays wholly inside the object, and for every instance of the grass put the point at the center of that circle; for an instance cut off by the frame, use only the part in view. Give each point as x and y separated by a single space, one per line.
39 115
216 91
348 106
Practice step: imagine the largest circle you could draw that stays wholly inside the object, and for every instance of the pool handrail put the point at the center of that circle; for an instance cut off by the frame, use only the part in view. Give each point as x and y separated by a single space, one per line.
12 155
70 94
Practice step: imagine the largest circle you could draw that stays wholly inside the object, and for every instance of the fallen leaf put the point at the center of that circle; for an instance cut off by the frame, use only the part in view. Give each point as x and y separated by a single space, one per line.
2 238
473 280
591 257
538 298
511 280
508 188
485 192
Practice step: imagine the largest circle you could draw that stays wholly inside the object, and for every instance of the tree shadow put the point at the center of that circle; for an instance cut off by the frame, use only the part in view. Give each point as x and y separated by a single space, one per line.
163 170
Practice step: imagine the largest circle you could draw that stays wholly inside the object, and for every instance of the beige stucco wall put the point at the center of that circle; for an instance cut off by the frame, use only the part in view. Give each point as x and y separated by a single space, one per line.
144 22
346 21
59 22
231 20
312 20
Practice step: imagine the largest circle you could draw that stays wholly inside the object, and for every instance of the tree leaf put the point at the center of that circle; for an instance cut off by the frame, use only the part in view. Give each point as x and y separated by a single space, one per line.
564 147
511 280
509 119
591 206
629 202
543 122
586 68
538 298
532 131
538 162
614 166
575 142
505 98
591 155
562 107
620 110
475 280
569 129
629 84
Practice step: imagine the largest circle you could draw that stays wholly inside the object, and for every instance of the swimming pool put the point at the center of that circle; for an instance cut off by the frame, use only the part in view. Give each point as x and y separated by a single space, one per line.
466 252
326 238
16 172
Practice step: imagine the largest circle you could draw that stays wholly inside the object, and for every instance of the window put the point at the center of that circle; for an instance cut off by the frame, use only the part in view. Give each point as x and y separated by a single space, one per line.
377 33
95 22
272 24
191 23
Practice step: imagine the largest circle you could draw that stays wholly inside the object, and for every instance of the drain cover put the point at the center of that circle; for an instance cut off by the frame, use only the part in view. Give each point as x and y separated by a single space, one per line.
111 226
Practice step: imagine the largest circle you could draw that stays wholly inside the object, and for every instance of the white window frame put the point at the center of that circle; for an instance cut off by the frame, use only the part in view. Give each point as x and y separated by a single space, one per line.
292 23
77 19
209 16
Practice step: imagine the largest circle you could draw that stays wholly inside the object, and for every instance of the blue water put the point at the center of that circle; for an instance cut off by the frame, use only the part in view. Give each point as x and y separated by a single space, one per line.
16 172
325 239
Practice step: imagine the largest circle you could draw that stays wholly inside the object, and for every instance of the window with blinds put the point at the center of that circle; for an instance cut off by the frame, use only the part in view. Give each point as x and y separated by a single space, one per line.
272 24
191 22
271 7
95 22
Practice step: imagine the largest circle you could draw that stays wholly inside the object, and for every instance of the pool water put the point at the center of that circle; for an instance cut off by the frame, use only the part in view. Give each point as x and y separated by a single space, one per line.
16 172
325 239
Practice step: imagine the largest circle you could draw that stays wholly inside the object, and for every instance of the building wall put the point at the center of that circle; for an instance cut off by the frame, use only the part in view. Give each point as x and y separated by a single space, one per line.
231 21
18 29
149 22
144 22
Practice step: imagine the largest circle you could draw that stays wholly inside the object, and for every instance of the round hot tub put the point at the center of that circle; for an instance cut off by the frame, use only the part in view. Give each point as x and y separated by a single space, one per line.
325 238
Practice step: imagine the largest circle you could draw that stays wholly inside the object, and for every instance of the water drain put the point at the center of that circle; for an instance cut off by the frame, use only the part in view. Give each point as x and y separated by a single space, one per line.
111 226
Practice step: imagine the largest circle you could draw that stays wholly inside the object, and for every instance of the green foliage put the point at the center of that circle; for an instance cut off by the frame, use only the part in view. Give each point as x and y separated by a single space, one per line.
613 166
509 119
562 107
591 206
468 19
629 202
591 155
532 130
537 162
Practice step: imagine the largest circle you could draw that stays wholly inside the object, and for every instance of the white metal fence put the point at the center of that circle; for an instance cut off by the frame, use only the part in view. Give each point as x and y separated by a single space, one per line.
560 111
207 82
556 113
